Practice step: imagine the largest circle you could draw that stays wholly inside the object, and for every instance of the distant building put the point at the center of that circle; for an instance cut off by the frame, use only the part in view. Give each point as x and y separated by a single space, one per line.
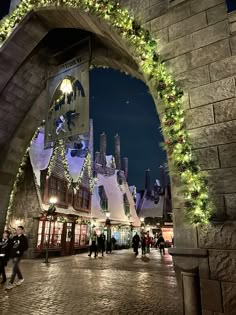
153 204
85 193
112 194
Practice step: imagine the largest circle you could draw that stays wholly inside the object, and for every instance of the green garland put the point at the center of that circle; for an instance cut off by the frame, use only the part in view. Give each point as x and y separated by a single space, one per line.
198 206
19 177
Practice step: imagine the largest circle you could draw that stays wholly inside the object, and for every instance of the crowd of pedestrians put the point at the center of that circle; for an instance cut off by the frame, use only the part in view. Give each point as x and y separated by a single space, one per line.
99 244
12 248
147 242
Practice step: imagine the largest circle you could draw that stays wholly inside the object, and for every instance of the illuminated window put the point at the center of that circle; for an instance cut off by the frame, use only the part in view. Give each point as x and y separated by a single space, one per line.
58 188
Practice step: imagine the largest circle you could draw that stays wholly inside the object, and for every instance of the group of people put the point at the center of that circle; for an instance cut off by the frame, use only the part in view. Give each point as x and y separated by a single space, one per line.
99 244
146 242
12 248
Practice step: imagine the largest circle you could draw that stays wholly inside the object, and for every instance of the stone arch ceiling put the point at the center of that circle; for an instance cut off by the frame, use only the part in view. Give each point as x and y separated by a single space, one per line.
23 70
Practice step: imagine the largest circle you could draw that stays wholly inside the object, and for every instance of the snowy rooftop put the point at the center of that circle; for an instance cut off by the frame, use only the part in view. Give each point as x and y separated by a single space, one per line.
115 194
40 158
150 209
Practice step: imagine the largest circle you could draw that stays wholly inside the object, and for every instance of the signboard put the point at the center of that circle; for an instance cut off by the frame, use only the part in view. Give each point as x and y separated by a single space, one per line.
68 114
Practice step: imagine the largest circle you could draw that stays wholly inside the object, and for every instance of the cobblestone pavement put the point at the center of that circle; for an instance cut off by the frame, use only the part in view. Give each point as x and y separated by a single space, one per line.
118 283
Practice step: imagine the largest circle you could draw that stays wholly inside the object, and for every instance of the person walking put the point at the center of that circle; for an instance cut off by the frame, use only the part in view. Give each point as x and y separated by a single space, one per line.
94 245
19 245
5 246
161 244
101 243
136 241
148 242
143 244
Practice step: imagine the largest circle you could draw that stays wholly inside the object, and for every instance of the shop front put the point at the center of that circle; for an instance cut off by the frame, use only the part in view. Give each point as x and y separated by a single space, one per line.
64 236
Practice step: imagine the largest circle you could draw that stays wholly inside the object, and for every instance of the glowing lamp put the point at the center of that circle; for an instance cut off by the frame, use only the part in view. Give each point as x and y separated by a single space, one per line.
66 86
142 220
108 214
53 200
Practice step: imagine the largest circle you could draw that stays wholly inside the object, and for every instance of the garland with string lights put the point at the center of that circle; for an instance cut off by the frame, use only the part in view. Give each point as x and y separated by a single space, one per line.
87 165
162 86
19 177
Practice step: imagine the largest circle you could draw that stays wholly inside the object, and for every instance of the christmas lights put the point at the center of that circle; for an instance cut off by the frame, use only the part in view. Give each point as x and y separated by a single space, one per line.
143 48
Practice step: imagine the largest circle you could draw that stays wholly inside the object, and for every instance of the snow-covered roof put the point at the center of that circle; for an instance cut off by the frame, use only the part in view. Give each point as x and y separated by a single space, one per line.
115 194
150 209
96 211
39 157
75 165
68 211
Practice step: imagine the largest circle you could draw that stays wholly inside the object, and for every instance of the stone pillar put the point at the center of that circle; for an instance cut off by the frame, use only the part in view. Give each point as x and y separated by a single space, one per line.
103 148
117 152
191 293
126 167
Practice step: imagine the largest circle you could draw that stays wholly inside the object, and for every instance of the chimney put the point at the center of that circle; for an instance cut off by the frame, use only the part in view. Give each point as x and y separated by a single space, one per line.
103 149
97 157
148 181
117 152
163 177
126 167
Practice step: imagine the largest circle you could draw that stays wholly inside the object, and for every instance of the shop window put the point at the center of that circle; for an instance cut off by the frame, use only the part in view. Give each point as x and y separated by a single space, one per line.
231 5
56 229
58 187
126 204
82 199
103 198
70 197
69 232
80 235
86 199
40 234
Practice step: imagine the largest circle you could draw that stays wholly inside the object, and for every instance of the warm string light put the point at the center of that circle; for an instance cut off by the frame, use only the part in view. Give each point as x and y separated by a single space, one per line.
143 48
19 177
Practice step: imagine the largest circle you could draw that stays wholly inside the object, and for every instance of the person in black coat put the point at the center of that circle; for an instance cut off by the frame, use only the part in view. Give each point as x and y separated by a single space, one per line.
161 244
136 241
4 254
19 244
102 243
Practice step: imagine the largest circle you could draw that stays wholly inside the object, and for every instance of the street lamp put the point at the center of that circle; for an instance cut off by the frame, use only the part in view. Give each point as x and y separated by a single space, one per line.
142 223
50 216
108 225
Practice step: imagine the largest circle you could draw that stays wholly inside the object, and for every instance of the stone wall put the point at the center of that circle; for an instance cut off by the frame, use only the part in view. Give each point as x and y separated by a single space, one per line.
26 209
197 40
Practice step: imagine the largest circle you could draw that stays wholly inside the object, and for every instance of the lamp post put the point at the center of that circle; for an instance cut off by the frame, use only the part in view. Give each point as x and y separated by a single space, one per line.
108 225
50 216
142 224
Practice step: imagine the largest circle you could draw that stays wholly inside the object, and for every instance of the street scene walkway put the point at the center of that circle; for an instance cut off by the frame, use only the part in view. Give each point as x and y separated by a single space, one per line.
118 283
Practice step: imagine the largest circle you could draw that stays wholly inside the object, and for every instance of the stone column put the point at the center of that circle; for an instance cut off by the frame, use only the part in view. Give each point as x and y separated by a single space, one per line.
191 293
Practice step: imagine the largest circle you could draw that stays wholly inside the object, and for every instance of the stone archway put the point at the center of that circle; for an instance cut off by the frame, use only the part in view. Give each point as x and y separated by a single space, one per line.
200 50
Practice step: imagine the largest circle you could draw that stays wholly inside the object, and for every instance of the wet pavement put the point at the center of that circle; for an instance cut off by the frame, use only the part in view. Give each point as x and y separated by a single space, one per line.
118 283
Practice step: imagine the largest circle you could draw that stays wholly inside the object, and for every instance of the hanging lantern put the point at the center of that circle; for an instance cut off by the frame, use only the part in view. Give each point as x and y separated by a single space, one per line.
66 86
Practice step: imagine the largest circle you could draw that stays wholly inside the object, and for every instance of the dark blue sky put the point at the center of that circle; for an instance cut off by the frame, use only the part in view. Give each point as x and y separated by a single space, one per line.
121 104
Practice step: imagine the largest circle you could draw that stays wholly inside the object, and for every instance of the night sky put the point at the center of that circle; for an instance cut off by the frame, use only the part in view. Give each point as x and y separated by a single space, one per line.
121 104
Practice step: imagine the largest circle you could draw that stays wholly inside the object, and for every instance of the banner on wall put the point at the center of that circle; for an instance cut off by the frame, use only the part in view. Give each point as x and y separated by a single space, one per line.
68 94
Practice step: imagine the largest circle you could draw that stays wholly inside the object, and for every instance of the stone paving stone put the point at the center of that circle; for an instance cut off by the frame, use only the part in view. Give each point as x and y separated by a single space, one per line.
118 283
